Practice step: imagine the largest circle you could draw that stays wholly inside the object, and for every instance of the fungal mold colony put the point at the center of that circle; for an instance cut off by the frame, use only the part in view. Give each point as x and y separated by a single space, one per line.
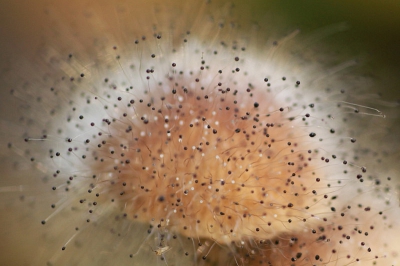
164 138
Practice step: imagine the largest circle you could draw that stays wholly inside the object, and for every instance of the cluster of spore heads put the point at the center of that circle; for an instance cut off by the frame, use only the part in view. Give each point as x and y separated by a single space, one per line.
206 144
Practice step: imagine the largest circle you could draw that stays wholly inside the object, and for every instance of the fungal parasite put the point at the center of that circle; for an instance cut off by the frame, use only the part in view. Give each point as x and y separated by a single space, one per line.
233 149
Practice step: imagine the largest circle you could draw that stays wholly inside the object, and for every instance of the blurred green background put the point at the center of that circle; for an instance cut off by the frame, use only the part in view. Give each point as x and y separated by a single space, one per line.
373 33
